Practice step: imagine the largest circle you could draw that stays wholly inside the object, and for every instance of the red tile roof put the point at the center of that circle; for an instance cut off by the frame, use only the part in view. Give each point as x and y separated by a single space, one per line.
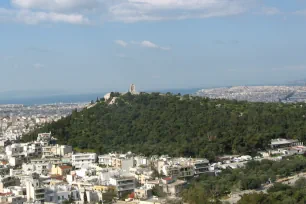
65 167
5 194
167 179
57 177
4 162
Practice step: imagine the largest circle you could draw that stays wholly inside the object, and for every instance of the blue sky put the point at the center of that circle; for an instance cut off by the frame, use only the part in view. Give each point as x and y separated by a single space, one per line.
94 45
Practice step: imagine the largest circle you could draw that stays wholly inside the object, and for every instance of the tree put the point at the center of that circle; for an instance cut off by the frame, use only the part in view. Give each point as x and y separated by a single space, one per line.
300 183
158 191
254 198
178 126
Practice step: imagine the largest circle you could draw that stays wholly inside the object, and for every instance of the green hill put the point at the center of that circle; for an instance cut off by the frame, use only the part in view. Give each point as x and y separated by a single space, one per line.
178 125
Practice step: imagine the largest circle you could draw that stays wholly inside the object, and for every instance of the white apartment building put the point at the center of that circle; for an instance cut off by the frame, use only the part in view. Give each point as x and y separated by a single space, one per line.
39 168
61 150
44 137
26 149
60 193
8 181
201 166
15 161
105 160
15 149
123 184
80 159
47 151
35 148
57 150
121 161
51 160
35 190
141 161
178 171
12 199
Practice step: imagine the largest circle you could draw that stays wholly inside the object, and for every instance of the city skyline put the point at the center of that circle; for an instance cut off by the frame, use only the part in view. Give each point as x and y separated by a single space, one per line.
86 46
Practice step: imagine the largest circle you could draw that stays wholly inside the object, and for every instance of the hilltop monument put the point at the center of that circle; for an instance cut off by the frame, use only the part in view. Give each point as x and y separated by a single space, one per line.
132 89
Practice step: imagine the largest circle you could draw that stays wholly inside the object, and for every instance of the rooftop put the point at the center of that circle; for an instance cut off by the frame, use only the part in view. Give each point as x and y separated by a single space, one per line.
281 141
65 167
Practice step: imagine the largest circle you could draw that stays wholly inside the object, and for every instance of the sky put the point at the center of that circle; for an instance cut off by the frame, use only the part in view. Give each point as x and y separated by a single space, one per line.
104 45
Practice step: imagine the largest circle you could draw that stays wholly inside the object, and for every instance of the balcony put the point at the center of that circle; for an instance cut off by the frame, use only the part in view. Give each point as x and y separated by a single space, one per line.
127 188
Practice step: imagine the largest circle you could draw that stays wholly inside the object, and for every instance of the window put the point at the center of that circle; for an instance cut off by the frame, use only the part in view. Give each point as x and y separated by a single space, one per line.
58 198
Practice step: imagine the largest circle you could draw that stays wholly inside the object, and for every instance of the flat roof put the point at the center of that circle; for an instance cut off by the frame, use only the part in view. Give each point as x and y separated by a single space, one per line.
282 141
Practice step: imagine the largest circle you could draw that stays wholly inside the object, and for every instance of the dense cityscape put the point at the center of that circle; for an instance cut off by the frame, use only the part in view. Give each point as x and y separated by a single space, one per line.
16 120
41 171
286 94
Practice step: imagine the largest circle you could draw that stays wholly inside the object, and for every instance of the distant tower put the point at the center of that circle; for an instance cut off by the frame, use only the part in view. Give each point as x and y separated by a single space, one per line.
132 89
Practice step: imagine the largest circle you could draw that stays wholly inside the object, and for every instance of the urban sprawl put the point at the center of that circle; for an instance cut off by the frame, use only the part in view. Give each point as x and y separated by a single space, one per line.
16 120
44 172
286 94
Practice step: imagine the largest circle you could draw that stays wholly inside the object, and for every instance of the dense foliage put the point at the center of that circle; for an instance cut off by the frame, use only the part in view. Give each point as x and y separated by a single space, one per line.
253 176
178 125
279 194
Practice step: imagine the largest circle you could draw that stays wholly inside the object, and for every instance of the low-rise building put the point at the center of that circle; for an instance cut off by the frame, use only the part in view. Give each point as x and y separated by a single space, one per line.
60 193
172 186
61 170
105 160
281 143
124 184
8 181
34 189
200 166
78 160
39 168
143 193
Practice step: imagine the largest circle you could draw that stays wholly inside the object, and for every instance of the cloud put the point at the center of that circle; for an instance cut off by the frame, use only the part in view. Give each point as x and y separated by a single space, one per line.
121 43
139 10
38 66
270 11
300 12
155 10
56 5
128 11
30 17
149 44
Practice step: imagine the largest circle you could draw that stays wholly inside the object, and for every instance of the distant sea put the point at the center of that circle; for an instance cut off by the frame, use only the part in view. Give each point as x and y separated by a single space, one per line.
37 100
76 98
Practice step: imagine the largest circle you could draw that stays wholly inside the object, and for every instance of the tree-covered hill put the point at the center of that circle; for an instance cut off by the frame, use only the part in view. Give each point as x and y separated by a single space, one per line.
178 125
